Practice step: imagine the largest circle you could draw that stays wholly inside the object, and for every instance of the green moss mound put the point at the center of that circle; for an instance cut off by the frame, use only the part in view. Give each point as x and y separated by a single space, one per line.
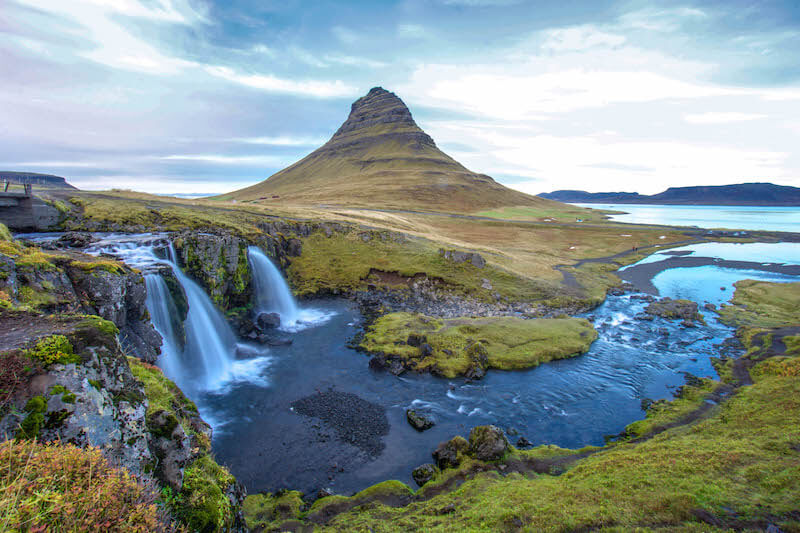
268 511
457 345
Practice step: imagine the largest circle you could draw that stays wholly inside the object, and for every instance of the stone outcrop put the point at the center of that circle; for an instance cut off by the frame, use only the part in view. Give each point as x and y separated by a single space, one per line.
75 283
459 257
95 402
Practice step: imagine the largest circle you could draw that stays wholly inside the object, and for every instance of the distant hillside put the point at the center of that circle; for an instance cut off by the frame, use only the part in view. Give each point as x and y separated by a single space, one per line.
742 194
380 158
41 180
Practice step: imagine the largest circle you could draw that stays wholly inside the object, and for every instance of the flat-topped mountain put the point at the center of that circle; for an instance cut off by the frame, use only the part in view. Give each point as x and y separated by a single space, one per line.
742 194
42 180
379 157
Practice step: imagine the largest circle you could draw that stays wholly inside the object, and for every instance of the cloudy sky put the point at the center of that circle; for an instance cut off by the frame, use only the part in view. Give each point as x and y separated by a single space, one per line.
207 96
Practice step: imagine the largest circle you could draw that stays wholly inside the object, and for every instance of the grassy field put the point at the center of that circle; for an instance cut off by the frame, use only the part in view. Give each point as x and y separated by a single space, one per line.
759 304
521 256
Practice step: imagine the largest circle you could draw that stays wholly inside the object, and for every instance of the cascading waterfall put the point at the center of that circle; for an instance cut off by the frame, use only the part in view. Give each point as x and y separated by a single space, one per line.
161 307
272 294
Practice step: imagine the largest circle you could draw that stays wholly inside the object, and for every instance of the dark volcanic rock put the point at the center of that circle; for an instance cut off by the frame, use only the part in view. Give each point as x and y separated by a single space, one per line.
522 442
423 473
268 320
415 339
487 443
673 309
419 421
76 239
355 420
447 453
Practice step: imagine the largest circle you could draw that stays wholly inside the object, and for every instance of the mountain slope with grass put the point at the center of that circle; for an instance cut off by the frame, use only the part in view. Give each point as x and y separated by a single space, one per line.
380 158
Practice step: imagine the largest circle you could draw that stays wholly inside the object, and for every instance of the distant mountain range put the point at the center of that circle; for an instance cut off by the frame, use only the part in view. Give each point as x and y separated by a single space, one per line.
42 180
380 157
742 194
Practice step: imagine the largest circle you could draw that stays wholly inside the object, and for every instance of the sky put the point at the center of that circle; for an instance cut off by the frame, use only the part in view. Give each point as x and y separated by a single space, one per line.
207 96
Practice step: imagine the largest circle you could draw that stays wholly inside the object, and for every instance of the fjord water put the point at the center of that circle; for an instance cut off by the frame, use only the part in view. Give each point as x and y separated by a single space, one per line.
708 216
571 403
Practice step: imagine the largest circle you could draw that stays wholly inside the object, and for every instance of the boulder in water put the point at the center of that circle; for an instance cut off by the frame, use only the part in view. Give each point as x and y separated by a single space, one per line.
267 321
419 421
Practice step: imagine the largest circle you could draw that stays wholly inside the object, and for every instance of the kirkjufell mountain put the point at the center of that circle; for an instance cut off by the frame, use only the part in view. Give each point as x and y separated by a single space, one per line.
379 157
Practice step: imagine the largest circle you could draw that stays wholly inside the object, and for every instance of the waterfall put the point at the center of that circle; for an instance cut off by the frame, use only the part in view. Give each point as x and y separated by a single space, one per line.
161 307
272 294
210 342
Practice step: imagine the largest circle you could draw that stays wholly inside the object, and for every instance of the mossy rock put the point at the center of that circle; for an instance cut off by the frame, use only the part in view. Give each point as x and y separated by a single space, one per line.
459 346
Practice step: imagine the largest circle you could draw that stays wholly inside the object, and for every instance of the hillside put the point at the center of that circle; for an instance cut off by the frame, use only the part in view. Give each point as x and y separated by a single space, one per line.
740 194
40 180
380 158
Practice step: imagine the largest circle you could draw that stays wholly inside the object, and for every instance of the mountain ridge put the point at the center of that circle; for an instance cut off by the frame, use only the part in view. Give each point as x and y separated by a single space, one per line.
34 178
753 194
380 157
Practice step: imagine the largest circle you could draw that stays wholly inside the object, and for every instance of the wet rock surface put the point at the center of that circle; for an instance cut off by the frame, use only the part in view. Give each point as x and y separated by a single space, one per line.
419 421
423 473
674 309
354 420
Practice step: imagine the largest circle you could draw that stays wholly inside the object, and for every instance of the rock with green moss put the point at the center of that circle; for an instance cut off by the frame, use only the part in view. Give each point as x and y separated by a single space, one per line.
469 346
674 309
219 263
448 454
423 473
419 421
487 443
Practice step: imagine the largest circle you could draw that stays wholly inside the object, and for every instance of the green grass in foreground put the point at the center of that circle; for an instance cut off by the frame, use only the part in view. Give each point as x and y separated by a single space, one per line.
506 343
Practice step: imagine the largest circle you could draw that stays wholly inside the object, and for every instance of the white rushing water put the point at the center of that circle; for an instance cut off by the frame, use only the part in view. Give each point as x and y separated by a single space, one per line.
272 295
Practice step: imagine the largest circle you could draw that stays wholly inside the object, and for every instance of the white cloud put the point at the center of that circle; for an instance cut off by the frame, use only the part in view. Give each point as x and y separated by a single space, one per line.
661 20
227 159
345 35
355 61
97 23
281 140
268 82
481 3
579 38
411 31
53 164
712 117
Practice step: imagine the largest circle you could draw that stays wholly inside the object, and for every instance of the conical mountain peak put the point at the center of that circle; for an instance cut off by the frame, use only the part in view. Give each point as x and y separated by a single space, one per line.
380 157
380 112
